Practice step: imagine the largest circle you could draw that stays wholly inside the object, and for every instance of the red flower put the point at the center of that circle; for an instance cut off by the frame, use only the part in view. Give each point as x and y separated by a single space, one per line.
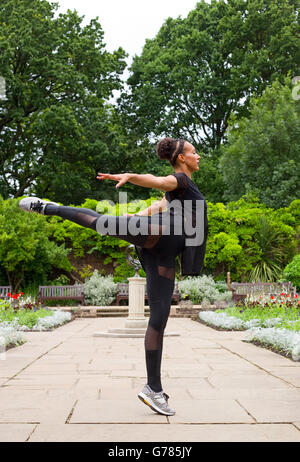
9 294
282 293
272 297
15 297
21 293
296 296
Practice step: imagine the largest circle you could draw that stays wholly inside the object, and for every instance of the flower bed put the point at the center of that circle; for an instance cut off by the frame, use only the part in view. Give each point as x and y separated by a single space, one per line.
280 340
15 319
49 322
9 336
271 322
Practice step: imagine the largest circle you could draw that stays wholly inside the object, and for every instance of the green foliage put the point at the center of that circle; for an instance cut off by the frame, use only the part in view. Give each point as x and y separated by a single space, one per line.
194 73
245 237
203 69
249 240
84 240
273 247
54 122
263 154
278 313
24 317
26 253
61 280
292 272
209 178
86 272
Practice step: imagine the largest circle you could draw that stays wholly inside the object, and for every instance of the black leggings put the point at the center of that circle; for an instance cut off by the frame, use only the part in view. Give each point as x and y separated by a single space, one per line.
157 252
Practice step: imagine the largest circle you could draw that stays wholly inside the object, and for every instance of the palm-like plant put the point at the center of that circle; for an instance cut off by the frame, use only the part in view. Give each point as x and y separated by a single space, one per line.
273 250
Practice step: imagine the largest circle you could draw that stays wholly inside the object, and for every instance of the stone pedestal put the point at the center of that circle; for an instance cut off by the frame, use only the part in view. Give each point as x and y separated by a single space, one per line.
136 323
136 301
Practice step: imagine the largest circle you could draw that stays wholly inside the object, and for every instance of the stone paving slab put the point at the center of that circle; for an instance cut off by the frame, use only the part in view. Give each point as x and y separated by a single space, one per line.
166 433
127 411
257 355
239 393
15 433
133 411
34 410
42 381
187 370
213 411
246 380
297 424
289 373
67 385
272 410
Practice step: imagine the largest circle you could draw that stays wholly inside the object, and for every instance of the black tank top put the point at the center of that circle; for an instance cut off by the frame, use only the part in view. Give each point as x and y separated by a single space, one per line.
192 257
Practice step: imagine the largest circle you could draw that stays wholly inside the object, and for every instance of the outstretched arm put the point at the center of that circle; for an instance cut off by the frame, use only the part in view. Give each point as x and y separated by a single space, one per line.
156 207
164 183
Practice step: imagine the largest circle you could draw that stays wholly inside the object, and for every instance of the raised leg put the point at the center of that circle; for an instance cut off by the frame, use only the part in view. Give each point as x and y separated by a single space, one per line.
111 225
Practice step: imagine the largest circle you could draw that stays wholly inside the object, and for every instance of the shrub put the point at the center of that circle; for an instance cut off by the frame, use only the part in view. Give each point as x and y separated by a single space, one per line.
203 289
26 253
9 335
292 272
100 290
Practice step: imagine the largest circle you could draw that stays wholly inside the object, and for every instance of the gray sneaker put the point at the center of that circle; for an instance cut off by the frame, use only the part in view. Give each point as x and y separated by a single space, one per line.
157 401
34 204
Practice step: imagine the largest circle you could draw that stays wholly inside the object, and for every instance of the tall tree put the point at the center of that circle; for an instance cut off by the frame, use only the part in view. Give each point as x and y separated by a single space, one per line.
263 152
199 70
54 123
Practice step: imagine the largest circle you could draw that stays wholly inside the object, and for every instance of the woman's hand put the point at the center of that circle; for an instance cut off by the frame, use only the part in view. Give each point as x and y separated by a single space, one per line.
122 178
164 183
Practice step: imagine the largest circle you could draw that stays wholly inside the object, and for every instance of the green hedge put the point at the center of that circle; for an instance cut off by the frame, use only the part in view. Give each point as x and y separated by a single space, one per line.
245 237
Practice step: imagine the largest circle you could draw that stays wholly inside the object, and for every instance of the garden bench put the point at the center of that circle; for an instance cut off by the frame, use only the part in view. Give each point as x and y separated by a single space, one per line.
123 293
4 291
240 290
75 292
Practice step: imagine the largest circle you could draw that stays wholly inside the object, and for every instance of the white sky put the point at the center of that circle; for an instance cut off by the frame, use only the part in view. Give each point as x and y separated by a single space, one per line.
127 23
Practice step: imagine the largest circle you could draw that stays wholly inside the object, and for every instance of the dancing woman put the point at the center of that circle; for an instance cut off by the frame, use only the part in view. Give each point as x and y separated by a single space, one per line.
157 247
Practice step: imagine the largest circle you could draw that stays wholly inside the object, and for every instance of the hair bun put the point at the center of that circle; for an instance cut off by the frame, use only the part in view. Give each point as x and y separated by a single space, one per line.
165 148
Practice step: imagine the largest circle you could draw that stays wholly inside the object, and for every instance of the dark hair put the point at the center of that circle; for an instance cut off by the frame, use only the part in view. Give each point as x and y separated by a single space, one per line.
170 148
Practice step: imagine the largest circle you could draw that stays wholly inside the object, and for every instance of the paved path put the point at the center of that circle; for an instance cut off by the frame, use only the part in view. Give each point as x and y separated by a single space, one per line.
67 385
